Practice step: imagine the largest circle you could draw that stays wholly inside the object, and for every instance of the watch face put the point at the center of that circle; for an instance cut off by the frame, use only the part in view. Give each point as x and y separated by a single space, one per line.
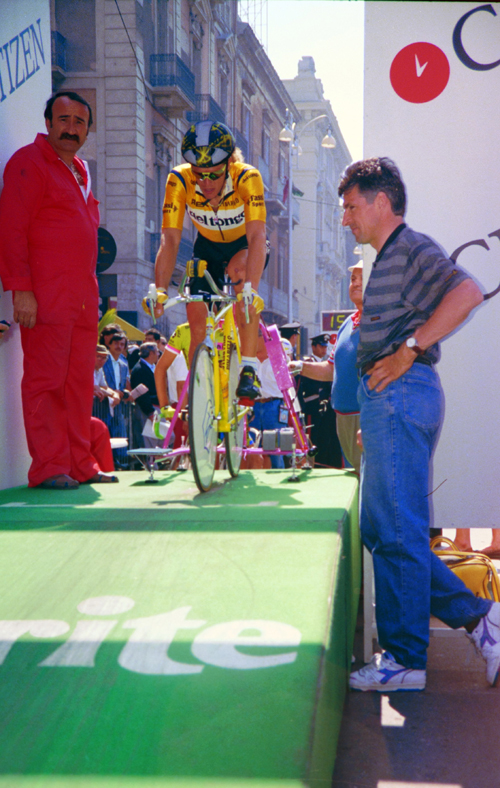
411 342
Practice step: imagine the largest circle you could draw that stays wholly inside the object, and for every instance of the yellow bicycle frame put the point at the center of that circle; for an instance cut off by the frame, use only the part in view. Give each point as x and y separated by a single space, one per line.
221 361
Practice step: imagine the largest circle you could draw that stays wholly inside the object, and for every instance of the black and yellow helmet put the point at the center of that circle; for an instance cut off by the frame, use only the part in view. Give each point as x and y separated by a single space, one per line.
207 144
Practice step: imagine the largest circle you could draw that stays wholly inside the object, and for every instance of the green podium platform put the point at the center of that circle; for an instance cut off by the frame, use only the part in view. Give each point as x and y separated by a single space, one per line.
154 636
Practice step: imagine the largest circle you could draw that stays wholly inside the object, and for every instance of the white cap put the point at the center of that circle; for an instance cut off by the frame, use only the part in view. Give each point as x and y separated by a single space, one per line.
359 264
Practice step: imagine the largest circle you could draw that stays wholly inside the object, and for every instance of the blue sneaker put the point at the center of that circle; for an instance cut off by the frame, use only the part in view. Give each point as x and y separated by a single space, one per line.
384 674
486 638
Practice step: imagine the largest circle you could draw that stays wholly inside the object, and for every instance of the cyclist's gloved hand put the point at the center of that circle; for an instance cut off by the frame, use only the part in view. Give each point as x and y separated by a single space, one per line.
250 296
155 296
295 367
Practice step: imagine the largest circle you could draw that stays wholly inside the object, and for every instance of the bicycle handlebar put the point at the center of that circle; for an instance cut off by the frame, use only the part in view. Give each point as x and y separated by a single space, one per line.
198 268
193 268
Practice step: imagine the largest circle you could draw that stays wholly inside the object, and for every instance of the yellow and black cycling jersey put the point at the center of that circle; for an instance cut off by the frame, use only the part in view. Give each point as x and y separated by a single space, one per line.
242 201
180 341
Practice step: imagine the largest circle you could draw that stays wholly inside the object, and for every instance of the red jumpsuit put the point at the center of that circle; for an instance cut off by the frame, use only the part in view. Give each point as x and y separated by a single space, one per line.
100 445
48 244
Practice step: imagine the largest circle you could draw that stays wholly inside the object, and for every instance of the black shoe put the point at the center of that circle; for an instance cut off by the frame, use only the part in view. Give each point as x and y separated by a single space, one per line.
249 385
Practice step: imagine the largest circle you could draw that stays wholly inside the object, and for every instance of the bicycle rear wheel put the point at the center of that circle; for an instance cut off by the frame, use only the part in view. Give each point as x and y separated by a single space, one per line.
202 421
234 438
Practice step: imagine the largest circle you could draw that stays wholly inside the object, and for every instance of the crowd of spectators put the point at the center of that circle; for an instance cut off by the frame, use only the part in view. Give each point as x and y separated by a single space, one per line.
132 381
125 394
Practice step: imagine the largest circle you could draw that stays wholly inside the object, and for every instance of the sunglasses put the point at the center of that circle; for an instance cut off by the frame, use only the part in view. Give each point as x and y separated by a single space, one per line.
211 176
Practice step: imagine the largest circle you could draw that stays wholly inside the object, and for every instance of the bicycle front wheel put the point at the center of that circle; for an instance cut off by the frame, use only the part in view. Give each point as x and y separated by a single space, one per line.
202 421
235 437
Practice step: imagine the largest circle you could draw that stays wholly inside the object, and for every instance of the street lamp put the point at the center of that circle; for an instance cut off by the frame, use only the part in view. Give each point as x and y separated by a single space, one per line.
288 135
329 140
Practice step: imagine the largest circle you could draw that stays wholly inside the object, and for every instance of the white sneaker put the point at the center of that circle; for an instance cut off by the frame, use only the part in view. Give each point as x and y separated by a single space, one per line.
486 638
383 674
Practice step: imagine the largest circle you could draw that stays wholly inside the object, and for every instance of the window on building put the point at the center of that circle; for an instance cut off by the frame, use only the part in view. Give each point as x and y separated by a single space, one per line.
246 127
71 19
266 145
164 30
224 74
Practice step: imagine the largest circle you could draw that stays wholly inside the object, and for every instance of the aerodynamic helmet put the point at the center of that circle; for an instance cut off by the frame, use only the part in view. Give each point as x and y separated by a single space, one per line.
207 144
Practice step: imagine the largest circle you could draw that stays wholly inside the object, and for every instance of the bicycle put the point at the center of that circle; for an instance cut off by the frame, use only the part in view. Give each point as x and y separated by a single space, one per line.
212 381
211 384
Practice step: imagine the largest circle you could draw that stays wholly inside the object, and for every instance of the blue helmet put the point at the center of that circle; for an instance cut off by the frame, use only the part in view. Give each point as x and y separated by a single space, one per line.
207 144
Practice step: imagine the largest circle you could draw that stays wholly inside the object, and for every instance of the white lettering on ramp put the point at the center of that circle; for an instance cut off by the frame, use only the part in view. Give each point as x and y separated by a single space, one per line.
81 647
217 645
146 650
10 631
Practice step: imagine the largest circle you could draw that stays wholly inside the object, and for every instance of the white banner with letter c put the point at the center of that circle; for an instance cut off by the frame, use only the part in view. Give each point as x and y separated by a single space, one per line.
432 82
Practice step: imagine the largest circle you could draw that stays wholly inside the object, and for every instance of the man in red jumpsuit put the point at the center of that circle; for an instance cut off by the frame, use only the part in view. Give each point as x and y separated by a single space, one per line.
48 248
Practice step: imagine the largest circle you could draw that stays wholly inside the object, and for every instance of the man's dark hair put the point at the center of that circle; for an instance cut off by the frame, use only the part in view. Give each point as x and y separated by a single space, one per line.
371 176
153 332
111 328
71 95
147 348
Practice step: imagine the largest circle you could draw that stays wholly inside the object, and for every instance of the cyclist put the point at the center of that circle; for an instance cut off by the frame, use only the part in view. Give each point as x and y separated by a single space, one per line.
224 197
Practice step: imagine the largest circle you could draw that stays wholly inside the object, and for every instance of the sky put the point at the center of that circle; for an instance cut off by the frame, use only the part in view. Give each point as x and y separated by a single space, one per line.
330 31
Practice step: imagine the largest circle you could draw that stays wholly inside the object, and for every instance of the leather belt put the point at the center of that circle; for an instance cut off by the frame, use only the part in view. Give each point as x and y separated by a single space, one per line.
365 369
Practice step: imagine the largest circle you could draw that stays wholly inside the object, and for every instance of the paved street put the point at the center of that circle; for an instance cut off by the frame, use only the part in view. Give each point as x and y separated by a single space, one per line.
445 737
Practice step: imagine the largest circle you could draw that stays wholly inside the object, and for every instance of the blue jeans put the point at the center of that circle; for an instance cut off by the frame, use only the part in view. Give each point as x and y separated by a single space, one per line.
400 426
266 417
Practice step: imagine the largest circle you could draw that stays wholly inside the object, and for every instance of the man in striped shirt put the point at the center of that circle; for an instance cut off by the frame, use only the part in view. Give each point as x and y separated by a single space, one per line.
415 296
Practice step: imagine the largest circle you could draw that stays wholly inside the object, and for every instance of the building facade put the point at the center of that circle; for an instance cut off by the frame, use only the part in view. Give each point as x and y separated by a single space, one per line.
322 248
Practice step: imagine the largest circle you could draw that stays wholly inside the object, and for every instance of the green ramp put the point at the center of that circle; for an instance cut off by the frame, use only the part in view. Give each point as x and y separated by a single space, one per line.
154 636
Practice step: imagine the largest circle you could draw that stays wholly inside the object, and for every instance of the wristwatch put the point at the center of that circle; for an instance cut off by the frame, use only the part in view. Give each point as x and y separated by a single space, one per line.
411 342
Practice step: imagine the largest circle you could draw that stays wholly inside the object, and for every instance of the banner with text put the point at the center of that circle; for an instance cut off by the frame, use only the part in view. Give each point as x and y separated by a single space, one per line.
432 78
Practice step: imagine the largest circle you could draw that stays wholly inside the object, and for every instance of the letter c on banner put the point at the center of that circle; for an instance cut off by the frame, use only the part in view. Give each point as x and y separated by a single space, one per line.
459 47
479 242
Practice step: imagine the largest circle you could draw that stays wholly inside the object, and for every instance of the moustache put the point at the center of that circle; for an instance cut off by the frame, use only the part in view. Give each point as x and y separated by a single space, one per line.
73 137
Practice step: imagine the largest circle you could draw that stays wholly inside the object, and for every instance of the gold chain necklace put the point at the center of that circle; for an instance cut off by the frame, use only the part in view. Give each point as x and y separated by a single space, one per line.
77 175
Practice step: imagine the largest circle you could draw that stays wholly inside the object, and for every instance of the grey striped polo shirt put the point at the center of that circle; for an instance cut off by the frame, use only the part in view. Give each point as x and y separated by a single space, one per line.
408 280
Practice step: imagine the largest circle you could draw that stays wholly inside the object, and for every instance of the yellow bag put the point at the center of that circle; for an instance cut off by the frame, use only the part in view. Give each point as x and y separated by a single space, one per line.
476 570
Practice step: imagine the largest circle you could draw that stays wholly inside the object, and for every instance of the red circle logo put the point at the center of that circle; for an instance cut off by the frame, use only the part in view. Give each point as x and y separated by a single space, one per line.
420 72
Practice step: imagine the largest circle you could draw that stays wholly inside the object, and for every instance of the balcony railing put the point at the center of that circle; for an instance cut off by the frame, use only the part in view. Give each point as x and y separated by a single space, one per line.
172 85
206 108
58 50
171 71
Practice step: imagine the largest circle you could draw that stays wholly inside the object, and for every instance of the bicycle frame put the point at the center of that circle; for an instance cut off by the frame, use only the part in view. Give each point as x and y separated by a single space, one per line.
221 361
225 318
